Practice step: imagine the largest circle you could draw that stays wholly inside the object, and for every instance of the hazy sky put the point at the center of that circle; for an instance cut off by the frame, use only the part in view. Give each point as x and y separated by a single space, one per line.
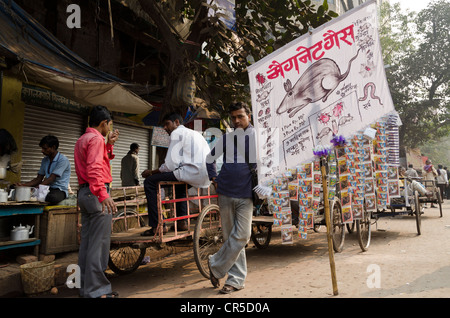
413 5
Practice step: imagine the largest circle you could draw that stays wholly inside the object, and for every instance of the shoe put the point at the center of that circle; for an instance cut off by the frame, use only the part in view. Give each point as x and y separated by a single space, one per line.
433 206
151 232
181 226
214 281
228 289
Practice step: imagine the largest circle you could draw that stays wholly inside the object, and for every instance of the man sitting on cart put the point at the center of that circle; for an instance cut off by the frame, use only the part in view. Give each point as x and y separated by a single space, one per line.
185 161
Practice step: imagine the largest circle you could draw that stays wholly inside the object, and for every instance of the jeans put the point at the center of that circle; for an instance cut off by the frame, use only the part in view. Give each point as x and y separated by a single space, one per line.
236 215
151 189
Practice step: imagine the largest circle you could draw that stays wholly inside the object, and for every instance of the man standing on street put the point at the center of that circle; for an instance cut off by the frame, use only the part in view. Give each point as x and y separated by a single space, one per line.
429 178
441 181
92 157
129 169
447 189
185 161
234 186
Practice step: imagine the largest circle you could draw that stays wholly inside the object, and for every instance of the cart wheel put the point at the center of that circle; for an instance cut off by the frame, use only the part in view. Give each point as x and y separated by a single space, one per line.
337 227
364 230
125 259
418 210
208 238
439 200
261 234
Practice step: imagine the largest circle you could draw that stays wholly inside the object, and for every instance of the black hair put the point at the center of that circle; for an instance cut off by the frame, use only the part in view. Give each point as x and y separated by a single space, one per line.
50 141
99 114
7 143
172 117
134 146
239 105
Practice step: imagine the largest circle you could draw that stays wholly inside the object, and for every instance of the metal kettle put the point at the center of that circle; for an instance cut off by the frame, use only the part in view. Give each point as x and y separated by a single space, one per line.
21 233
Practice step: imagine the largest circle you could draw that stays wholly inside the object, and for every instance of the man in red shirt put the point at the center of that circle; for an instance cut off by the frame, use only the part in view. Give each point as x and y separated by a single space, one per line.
92 156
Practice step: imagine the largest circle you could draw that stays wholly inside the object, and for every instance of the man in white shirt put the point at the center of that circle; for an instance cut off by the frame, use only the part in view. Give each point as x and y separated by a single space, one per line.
441 180
185 161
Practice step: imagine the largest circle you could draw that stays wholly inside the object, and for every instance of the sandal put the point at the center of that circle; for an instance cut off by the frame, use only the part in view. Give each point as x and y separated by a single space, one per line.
228 289
111 295
214 281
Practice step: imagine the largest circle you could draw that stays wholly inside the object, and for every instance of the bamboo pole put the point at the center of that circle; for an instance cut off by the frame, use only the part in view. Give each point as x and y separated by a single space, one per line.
329 224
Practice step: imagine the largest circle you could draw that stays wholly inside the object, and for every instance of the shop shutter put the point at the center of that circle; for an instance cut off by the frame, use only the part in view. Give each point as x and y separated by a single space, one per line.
128 135
40 122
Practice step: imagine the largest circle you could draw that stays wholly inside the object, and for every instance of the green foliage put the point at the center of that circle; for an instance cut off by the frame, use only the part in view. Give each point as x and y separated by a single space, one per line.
221 58
417 50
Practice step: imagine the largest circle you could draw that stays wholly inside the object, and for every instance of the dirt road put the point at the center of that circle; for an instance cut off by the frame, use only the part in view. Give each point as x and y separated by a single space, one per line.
398 264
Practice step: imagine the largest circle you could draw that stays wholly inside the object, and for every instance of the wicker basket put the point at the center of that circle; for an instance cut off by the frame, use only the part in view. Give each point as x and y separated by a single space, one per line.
37 277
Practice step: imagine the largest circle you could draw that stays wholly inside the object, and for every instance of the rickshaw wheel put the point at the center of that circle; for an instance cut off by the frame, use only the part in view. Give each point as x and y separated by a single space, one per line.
125 259
337 227
208 238
364 230
261 235
417 212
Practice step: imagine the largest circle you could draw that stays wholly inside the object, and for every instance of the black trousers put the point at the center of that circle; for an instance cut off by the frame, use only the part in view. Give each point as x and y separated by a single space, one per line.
151 188
55 196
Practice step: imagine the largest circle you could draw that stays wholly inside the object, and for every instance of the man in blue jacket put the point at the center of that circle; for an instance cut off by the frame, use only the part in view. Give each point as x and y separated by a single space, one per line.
234 187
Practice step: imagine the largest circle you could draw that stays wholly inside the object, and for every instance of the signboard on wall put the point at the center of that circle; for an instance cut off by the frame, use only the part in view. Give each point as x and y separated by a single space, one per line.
160 138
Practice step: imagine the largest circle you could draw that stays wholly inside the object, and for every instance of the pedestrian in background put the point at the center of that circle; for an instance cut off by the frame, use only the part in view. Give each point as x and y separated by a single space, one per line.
411 172
129 168
430 175
442 180
92 156
234 186
447 189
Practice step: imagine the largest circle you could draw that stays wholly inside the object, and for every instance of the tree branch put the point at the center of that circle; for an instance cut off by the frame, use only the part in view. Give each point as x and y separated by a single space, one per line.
154 12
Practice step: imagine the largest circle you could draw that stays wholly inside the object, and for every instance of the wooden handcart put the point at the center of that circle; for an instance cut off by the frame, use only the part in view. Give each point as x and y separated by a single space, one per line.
128 247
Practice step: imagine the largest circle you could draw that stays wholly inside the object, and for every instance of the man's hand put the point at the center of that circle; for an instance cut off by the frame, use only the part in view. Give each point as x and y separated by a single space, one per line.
113 136
109 206
146 174
214 182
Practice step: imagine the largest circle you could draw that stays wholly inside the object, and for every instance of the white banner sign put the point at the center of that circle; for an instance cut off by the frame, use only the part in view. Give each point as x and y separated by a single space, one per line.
328 82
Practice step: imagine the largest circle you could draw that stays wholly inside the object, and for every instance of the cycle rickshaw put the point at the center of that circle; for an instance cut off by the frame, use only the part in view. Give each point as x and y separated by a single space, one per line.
416 192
